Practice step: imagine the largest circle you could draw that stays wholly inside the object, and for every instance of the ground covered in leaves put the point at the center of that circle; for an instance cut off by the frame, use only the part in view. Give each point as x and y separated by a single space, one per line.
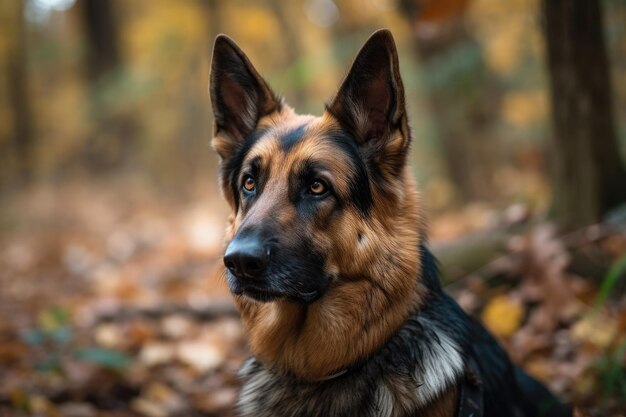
112 303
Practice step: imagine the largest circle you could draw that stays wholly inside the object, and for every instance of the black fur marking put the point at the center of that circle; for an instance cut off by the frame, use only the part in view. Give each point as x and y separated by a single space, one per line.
360 192
291 138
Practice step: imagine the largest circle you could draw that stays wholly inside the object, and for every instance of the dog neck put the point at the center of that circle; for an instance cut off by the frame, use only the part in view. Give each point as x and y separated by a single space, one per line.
361 310
391 382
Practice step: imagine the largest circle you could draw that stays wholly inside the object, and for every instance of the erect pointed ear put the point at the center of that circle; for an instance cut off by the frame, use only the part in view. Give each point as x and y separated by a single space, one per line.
239 96
370 102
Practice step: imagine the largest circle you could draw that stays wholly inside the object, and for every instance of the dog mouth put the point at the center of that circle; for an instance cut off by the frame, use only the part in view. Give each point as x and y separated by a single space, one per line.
266 295
261 294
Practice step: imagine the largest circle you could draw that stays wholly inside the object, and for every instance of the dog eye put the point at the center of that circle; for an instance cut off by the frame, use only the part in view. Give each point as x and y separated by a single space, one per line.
317 187
248 183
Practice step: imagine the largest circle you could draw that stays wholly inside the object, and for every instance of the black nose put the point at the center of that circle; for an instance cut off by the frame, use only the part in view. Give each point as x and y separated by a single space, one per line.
246 257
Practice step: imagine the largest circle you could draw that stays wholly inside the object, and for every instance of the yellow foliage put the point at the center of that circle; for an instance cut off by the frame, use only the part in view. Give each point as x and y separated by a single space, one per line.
525 107
503 53
255 23
255 29
355 13
539 367
503 315
439 192
169 27
596 329
65 129
506 30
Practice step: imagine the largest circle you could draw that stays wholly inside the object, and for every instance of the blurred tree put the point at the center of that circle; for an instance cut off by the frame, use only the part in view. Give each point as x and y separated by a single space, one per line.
288 22
587 174
458 85
213 11
17 87
103 55
112 142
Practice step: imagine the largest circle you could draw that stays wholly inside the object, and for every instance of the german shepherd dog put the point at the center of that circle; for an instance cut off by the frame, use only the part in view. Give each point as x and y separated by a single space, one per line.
328 263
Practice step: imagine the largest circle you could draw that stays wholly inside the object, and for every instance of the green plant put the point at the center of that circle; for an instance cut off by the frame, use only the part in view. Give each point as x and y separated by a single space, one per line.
611 371
54 339
610 280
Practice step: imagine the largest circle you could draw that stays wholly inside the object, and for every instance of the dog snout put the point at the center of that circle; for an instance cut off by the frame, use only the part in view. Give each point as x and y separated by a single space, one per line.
246 257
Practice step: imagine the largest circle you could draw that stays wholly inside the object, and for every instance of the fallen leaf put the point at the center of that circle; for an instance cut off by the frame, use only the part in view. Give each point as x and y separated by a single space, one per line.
156 353
202 356
503 315
596 329
109 335
217 400
77 409
176 326
147 408
167 398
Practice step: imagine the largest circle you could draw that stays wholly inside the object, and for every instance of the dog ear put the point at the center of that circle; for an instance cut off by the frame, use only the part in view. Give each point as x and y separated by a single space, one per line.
239 96
370 103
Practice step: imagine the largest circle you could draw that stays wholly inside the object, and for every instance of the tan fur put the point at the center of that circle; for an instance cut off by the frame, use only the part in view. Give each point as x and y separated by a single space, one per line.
374 289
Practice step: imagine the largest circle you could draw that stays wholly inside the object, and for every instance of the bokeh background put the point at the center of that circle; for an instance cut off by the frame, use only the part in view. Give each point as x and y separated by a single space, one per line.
112 301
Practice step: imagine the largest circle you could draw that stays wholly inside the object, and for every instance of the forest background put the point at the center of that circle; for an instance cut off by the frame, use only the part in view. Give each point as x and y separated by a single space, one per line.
112 301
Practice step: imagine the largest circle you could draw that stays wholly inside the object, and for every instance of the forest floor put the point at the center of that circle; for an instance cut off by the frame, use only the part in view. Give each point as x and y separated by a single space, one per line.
112 303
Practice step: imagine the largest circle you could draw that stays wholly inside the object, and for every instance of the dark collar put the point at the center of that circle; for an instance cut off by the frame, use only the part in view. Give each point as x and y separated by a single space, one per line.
471 402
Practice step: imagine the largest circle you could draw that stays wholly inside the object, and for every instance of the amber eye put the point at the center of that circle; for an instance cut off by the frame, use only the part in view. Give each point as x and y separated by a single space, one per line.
317 187
248 183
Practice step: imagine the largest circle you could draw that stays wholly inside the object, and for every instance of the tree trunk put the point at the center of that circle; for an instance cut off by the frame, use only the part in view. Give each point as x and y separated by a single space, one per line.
23 140
111 143
588 178
213 13
103 54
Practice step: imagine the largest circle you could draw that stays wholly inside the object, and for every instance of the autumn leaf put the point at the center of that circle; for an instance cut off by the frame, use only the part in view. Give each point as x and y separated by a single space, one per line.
503 315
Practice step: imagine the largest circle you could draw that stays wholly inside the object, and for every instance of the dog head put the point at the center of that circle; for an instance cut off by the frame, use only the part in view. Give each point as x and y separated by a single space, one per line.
324 210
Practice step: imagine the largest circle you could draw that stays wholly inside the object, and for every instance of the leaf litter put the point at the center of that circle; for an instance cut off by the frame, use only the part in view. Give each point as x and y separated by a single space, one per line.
113 308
